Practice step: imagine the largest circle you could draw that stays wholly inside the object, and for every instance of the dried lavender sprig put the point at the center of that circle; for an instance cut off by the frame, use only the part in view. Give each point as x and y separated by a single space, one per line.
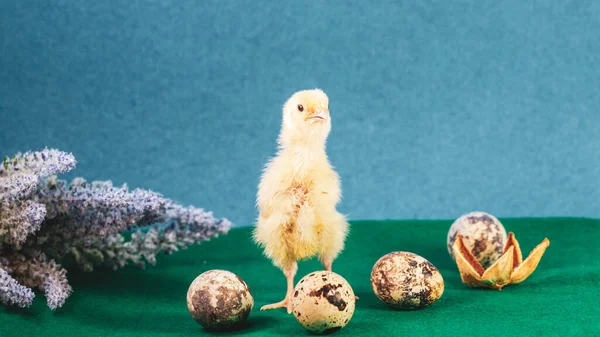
56 289
33 269
19 221
196 217
16 187
12 293
98 205
188 225
183 226
20 175
52 280
84 220
41 163
194 225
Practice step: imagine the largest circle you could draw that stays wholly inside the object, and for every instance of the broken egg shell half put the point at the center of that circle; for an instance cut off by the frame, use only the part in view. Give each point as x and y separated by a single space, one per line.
406 281
323 302
483 234
219 299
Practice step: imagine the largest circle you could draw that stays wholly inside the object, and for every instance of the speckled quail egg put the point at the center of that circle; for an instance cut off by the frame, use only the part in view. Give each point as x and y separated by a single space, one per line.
406 281
323 302
482 233
219 299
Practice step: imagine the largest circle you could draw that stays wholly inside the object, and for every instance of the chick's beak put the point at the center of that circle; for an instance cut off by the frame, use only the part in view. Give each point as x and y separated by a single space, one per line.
319 114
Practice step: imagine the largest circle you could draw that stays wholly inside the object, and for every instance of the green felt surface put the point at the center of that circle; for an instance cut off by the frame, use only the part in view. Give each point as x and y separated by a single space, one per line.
560 298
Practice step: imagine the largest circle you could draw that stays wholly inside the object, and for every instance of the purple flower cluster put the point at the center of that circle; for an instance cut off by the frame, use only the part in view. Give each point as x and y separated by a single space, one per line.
21 220
35 270
12 293
44 220
43 163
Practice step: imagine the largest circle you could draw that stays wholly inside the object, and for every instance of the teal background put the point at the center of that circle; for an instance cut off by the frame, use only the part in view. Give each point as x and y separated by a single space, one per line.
439 107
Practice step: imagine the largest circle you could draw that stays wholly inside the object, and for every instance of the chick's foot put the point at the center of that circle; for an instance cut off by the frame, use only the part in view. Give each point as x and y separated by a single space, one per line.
286 303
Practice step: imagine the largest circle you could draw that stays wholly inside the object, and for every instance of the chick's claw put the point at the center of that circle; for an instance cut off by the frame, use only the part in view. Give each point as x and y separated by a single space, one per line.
287 304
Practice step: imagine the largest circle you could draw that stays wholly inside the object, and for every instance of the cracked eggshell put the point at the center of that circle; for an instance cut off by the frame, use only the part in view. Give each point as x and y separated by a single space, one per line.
219 299
482 233
406 281
323 302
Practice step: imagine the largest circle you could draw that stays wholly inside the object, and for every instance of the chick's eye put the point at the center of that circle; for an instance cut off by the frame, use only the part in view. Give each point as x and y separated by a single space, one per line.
300 107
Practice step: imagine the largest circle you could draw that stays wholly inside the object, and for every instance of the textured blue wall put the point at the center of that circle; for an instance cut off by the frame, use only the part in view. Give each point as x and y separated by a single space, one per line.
440 107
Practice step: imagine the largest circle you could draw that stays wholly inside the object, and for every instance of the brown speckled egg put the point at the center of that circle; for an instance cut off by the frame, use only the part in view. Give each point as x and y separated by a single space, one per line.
482 233
219 299
323 302
406 281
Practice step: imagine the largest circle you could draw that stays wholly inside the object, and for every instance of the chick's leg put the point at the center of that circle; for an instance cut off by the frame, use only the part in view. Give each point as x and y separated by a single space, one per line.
327 262
332 236
290 272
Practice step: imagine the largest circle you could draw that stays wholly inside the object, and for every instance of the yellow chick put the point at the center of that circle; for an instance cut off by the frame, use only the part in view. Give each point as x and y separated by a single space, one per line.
299 191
